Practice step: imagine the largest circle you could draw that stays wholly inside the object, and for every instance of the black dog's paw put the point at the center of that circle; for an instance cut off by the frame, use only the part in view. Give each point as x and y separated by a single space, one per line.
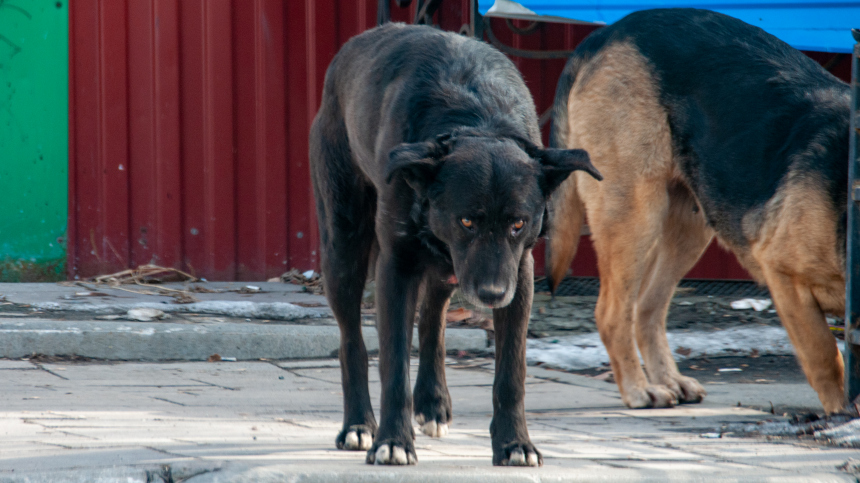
358 437
391 452
518 454
431 426
433 414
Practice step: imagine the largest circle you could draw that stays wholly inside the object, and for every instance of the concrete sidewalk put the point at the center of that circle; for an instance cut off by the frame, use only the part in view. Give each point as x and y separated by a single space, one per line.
278 321
276 422
269 421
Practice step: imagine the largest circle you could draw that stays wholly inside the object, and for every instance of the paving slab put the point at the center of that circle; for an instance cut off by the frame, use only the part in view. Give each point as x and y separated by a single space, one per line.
274 422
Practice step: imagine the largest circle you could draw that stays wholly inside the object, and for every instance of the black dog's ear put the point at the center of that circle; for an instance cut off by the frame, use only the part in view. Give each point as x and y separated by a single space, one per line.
417 163
557 164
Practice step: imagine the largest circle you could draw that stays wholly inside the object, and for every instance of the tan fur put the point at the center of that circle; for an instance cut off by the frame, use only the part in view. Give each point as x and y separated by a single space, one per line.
563 238
796 250
648 231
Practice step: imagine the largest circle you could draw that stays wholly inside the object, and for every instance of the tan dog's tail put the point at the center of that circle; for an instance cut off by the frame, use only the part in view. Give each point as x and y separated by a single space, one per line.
565 211
566 215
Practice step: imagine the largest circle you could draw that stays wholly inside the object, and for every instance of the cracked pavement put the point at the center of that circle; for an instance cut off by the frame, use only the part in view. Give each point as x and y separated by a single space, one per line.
276 421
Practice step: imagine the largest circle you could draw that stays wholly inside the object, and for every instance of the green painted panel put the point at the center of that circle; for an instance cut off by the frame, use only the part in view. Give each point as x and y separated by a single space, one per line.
34 99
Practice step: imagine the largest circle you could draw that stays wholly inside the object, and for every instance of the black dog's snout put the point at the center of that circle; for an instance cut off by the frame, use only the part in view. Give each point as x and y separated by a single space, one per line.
491 295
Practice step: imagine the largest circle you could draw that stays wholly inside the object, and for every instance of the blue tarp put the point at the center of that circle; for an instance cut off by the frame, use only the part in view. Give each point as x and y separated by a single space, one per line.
805 25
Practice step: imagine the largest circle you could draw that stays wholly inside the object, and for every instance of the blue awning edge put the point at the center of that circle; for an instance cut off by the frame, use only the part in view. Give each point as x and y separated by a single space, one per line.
805 25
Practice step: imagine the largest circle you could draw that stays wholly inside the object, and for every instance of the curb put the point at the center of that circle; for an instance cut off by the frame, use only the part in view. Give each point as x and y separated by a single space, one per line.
360 473
470 473
229 308
144 341
125 474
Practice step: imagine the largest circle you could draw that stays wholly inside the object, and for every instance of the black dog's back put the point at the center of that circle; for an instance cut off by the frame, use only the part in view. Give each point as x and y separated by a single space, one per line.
443 80
739 103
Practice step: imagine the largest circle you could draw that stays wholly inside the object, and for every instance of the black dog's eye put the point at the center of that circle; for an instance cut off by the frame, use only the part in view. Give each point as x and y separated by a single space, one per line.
517 226
467 222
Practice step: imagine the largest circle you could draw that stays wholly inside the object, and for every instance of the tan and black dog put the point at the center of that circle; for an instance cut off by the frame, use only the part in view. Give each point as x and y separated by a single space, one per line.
427 145
703 125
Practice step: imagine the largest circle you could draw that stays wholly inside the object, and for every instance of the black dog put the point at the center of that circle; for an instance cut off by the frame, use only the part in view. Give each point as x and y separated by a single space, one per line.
427 144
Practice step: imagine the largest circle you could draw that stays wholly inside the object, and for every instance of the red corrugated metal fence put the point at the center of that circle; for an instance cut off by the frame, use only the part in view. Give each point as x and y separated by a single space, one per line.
189 123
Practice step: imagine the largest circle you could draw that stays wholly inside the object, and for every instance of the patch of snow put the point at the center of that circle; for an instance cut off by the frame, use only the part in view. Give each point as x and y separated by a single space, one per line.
757 304
587 350
509 7
847 434
145 315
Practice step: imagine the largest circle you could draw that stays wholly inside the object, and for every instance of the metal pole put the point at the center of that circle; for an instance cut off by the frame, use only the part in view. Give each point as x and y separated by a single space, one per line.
476 22
852 290
383 12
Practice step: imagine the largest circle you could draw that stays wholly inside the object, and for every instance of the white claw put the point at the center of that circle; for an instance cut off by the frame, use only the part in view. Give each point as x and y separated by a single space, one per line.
366 442
533 459
398 456
351 441
517 458
434 429
410 458
382 455
419 418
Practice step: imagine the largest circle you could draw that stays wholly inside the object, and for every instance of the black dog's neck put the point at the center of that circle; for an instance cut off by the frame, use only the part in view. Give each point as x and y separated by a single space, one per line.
436 247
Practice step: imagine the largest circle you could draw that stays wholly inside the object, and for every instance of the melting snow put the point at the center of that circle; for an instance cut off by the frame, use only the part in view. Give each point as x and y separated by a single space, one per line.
584 351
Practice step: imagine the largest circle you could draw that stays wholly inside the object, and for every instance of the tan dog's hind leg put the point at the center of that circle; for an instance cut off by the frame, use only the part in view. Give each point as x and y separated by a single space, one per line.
685 236
615 114
815 345
626 232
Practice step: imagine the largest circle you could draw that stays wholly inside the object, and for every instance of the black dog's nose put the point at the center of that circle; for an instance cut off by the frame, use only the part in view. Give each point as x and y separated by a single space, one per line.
491 295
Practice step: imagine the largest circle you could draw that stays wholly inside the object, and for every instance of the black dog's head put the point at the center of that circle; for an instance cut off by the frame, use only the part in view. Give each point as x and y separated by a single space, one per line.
484 198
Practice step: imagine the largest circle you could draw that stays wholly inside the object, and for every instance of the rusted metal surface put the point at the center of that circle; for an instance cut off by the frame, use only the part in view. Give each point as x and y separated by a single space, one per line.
189 122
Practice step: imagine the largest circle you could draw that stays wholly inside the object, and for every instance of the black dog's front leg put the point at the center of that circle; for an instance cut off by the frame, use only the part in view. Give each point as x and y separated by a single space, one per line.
511 443
432 402
396 296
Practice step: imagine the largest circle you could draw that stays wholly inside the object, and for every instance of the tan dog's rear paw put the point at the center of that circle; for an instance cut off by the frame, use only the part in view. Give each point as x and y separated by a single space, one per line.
651 396
687 389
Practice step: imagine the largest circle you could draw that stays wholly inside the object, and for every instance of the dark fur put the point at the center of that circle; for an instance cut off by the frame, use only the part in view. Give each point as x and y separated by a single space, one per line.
419 128
741 104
